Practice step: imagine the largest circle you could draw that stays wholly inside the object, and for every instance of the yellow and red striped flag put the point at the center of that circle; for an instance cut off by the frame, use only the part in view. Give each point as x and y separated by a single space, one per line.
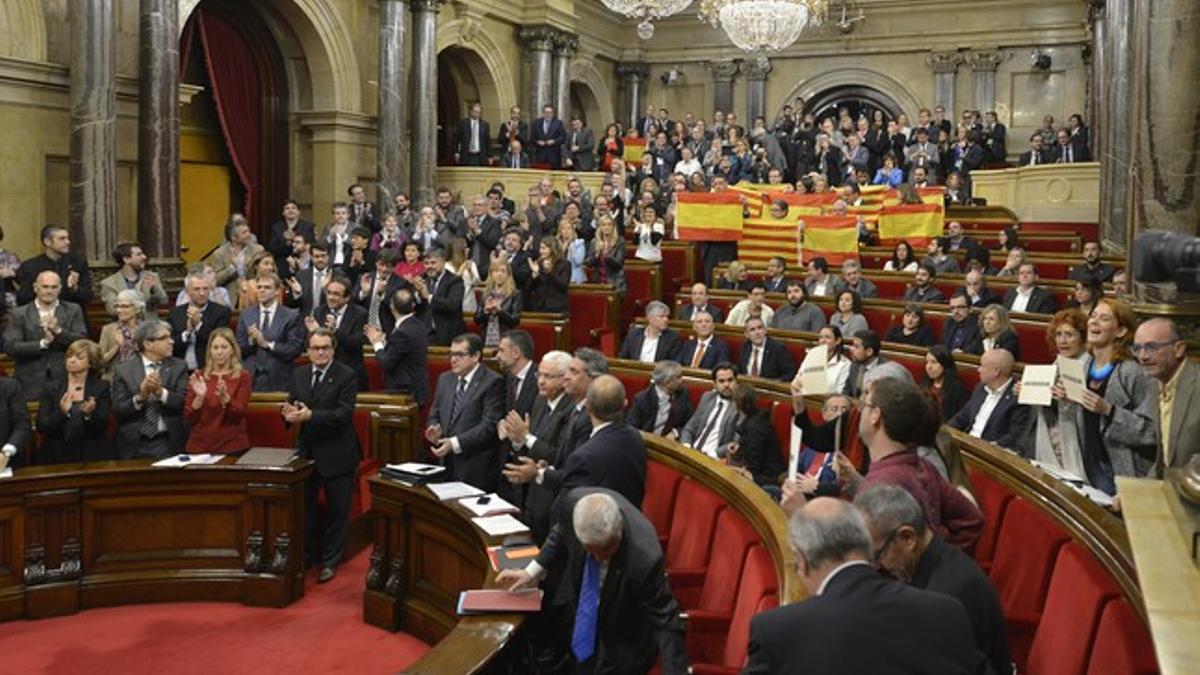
755 196
834 238
934 194
707 216
806 204
766 237
634 149
914 223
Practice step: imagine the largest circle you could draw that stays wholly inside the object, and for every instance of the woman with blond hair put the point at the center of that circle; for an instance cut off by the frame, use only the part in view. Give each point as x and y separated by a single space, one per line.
736 277
998 332
74 411
217 398
500 310
607 256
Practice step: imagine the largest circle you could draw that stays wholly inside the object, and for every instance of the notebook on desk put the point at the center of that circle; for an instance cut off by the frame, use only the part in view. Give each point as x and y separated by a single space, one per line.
267 457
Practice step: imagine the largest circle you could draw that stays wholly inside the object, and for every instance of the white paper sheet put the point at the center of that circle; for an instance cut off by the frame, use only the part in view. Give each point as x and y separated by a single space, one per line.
453 490
814 374
797 442
1036 382
6 473
1074 380
498 526
417 468
175 461
494 505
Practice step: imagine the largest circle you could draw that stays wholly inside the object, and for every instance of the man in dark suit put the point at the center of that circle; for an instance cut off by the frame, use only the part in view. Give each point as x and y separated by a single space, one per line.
1028 296
362 212
148 394
1068 151
961 331
73 272
321 399
855 621
270 336
15 428
282 231
308 285
977 291
440 295
994 138
714 424
192 322
763 356
548 138
38 334
514 156
993 413
1036 154
467 406
864 355
700 303
513 129
515 356
347 322
704 350
580 148
909 551
663 407
655 341
374 292
776 280
648 123
614 585
402 352
472 138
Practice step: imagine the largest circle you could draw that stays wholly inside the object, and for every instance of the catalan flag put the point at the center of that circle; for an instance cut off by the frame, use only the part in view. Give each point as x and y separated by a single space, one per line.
806 204
834 238
766 237
934 194
914 223
634 149
709 216
755 197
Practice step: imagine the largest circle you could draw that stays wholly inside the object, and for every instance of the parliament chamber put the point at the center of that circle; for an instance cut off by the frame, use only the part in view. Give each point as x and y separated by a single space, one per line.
716 306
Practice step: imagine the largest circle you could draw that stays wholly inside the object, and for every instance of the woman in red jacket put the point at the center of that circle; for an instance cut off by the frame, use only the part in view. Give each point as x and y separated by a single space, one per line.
217 399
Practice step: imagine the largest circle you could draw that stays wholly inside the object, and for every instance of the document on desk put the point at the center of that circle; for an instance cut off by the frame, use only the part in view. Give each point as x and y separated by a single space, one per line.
498 526
1074 380
1036 382
453 490
488 505
416 468
814 373
176 461
486 601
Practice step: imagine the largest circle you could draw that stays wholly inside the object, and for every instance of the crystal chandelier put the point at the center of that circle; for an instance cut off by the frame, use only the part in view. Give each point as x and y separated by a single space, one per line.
763 25
647 11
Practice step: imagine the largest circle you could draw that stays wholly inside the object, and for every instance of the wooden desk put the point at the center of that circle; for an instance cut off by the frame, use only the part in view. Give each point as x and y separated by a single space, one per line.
426 552
77 536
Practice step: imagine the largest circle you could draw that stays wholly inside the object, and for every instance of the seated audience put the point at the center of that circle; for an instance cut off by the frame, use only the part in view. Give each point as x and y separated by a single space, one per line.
819 281
902 259
1027 296
664 407
756 449
837 363
942 262
764 356
996 331
888 174
1162 353
1054 441
193 321
714 424
735 278
864 357
923 290
148 395
403 351
1088 292
132 274
847 314
853 280
606 257
38 333
217 398
957 238
855 620
753 306
1092 266
960 332
907 550
116 338
700 303
73 414
912 329
993 413
776 280
1012 263
270 336
231 260
976 289
501 310
1008 240
704 350
549 280
1120 283
655 341
347 323
798 314
941 381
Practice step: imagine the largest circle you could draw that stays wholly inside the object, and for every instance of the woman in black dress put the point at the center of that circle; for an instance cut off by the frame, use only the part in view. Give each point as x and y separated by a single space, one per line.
73 414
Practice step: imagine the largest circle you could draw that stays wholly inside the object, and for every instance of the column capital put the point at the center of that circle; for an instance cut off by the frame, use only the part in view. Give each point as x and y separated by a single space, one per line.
538 38
722 71
987 61
633 71
565 44
1096 10
425 5
755 69
944 62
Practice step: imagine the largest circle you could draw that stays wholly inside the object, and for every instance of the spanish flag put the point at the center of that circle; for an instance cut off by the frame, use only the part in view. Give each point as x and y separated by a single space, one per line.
701 216
766 237
634 149
914 223
806 204
834 238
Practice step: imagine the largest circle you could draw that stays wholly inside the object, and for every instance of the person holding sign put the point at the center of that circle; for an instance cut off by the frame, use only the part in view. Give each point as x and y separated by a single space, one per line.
756 448
1054 443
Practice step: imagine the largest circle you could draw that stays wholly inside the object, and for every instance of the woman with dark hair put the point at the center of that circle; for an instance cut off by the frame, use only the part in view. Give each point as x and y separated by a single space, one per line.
410 266
847 313
837 363
1009 239
550 276
611 147
757 447
888 174
73 412
1088 292
912 329
941 381
902 259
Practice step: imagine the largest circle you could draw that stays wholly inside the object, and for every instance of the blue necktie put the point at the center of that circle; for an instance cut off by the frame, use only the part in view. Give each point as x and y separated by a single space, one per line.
583 640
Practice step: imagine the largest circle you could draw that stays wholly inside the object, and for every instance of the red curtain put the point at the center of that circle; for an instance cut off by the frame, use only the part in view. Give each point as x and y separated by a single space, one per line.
236 90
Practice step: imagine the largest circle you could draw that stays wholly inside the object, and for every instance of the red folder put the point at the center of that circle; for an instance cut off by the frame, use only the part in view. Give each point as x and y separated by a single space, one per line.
489 601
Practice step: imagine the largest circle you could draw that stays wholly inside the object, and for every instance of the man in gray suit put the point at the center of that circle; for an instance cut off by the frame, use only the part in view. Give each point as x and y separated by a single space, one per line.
38 334
148 395
712 428
1160 349
467 406
270 336
580 150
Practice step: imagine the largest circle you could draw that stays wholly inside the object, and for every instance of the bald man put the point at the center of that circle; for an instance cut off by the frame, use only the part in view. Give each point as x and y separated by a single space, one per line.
1160 349
39 332
993 413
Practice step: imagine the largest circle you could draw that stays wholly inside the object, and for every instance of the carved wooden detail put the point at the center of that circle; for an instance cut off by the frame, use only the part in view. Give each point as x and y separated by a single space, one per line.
375 569
35 565
395 582
283 545
253 561
71 567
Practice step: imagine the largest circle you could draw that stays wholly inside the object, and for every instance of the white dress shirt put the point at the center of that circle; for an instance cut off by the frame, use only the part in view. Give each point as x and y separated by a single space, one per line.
989 405
649 348
1022 299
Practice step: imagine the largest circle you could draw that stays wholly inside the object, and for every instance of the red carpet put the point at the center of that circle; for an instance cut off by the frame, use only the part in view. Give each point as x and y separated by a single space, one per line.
322 633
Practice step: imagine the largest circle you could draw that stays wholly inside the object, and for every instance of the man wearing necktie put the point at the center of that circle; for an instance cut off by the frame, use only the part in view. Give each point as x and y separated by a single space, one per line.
270 336
549 135
347 321
713 426
467 406
471 140
148 396
308 285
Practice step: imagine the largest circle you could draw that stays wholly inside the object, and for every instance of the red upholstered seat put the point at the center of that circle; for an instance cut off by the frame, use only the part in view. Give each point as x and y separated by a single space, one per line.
267 429
1122 645
692 523
715 599
993 499
1079 589
596 317
1026 548
757 593
1032 338
644 282
658 504
374 374
678 264
879 319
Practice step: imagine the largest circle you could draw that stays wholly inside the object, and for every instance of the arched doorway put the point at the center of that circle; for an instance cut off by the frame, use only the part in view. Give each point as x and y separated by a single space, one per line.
463 79
857 100
585 105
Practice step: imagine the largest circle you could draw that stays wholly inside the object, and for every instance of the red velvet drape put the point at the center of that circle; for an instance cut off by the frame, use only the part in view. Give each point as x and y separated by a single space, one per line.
236 89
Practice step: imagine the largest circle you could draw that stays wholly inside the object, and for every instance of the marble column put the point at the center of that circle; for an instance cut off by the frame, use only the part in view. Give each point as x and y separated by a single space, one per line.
565 45
1115 127
945 70
424 97
1094 54
984 65
158 129
392 144
93 192
722 73
539 41
633 77
756 88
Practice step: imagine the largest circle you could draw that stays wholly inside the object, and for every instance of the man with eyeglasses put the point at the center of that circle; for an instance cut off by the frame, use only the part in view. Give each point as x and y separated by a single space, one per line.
467 407
961 332
908 550
1162 352
663 407
148 395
